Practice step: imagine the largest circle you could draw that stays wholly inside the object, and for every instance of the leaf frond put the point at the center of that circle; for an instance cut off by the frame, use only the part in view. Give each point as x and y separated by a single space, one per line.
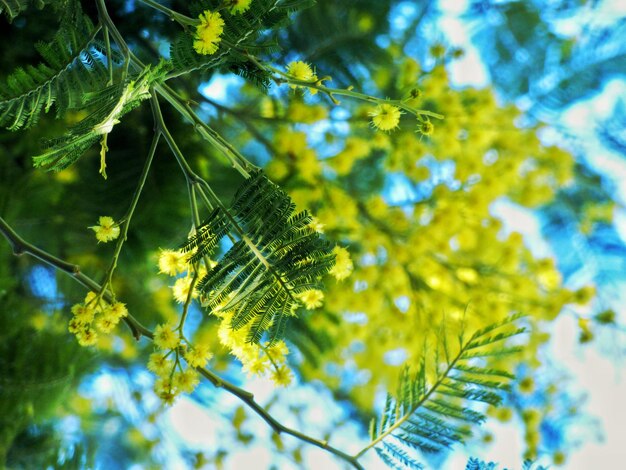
433 416
277 256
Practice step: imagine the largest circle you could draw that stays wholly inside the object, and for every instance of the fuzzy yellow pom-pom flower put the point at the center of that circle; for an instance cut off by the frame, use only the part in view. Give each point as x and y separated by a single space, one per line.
180 289
198 356
106 230
172 262
312 298
302 71
165 337
186 381
386 117
159 364
208 33
281 376
343 264
238 6
316 225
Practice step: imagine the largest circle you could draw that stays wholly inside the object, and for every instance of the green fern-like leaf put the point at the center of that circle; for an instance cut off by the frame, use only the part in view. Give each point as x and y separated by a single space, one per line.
12 8
110 105
275 257
73 64
431 417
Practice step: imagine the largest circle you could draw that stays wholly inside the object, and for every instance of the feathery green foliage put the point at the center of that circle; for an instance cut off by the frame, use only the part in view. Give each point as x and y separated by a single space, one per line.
110 105
431 417
12 8
277 256
476 464
73 65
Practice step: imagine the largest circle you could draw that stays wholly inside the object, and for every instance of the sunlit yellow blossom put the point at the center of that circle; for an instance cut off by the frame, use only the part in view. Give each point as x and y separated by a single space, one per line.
165 337
74 326
343 264
165 390
159 364
87 336
118 310
386 117
106 323
238 6
316 225
208 33
198 356
257 366
312 298
106 230
281 376
180 289
426 127
186 381
277 351
302 71
172 262
83 314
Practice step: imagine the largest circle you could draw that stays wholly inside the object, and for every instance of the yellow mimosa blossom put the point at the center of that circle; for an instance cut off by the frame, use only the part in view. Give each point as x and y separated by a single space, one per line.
165 337
386 117
106 230
316 225
118 310
312 298
302 71
105 324
238 6
198 356
87 336
281 376
180 289
159 364
83 314
343 264
208 33
172 262
186 381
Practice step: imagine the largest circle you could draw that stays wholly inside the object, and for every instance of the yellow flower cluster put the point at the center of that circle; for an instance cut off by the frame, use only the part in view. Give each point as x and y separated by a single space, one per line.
440 252
173 263
106 230
208 33
172 377
94 315
256 359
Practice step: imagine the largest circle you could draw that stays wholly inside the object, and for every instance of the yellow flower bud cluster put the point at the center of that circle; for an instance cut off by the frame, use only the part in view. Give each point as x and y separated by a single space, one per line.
257 360
95 316
168 363
173 263
208 33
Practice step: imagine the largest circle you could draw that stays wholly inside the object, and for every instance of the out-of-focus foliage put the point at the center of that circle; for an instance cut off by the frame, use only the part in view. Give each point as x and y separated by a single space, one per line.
413 207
